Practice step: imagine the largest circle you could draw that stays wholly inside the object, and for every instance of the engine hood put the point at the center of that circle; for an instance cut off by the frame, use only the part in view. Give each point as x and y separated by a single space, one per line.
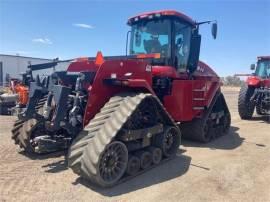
253 81
168 71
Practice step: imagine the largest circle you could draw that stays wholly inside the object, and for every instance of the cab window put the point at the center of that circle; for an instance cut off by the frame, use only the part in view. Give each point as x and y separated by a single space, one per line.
182 45
152 36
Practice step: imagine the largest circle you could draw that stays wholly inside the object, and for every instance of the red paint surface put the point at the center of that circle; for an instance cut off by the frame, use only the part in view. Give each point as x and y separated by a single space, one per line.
99 93
137 75
256 81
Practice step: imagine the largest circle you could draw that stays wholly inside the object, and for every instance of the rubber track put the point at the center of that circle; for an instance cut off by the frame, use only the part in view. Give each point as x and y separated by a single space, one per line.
193 130
86 149
21 129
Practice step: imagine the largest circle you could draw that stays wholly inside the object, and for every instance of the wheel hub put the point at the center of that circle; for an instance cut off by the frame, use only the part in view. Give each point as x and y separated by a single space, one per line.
169 140
113 162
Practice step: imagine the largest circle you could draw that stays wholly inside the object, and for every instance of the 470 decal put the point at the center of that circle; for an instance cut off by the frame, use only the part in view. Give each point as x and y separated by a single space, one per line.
200 69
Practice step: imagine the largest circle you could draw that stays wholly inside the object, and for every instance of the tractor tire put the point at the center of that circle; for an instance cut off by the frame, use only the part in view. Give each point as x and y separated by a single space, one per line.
21 131
245 106
100 156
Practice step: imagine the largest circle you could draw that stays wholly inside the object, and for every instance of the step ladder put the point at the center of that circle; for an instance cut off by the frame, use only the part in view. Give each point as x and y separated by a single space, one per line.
198 98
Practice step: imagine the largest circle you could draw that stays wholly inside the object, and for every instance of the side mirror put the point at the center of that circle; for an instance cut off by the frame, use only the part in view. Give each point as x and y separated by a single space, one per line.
194 53
214 30
252 66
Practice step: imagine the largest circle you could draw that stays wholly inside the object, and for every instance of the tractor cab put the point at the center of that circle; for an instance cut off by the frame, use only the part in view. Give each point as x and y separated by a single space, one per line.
172 36
263 67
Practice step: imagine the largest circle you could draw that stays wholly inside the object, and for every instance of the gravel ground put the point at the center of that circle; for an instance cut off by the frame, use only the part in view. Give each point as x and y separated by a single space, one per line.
235 167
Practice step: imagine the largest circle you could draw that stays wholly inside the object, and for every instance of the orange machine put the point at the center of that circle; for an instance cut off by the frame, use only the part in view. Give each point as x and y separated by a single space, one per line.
17 87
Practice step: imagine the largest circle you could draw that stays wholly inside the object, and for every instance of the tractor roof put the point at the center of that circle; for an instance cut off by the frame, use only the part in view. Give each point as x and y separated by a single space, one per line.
161 13
263 57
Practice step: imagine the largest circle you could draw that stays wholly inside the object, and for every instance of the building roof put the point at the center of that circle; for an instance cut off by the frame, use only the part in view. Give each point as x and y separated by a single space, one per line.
23 57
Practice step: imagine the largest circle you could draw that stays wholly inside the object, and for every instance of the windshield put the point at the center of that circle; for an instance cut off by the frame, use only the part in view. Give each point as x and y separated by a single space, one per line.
263 68
151 37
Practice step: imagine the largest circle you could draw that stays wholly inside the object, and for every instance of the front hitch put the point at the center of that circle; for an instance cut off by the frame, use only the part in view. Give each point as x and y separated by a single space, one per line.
37 91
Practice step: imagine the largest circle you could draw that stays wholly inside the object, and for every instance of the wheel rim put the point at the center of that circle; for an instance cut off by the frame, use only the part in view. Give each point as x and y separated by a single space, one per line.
170 142
156 155
146 160
133 165
113 162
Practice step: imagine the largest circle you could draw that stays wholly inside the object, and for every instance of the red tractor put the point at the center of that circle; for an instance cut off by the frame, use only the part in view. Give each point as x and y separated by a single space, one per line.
256 92
121 115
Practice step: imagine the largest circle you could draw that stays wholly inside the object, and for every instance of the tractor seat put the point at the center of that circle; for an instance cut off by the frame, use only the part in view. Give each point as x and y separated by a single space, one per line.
152 46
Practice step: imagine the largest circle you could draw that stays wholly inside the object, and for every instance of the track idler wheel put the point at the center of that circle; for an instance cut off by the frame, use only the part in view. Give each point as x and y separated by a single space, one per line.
145 158
134 165
168 141
156 154
112 163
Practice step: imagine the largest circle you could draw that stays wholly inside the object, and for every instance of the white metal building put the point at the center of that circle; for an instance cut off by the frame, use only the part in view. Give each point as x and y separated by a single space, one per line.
15 64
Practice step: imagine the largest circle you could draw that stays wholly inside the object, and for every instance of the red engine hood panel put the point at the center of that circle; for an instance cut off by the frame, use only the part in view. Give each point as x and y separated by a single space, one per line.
166 71
203 70
266 83
253 81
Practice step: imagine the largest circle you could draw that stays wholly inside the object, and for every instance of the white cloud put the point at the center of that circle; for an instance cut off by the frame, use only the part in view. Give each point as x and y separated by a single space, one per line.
83 25
42 40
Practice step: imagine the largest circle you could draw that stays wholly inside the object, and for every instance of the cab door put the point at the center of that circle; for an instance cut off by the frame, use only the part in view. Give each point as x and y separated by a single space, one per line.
187 95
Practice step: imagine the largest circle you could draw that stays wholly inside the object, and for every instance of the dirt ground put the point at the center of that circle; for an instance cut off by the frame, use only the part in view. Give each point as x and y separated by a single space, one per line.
235 167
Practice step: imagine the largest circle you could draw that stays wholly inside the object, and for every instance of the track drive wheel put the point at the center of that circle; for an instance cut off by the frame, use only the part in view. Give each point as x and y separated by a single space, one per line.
112 163
245 106
168 141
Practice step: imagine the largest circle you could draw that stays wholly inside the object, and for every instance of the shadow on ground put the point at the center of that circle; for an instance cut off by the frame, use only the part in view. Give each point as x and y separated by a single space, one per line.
54 167
261 119
33 156
229 141
164 172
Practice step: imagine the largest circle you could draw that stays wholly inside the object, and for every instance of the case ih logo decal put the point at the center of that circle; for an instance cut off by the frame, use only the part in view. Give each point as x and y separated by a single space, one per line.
148 68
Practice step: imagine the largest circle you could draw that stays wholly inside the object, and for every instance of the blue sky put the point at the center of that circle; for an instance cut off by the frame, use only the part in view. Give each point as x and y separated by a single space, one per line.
69 29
